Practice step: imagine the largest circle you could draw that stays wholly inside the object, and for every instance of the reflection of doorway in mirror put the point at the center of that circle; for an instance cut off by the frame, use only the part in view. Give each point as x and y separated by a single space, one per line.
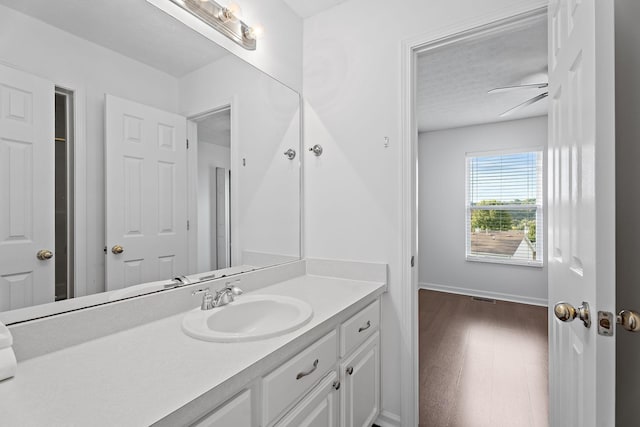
63 172
214 188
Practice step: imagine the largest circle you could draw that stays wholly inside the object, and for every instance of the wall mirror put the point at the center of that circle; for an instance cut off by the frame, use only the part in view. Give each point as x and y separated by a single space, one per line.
135 156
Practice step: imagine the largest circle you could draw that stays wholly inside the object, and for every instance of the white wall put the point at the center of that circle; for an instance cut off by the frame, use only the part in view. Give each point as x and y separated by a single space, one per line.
441 212
92 71
210 157
627 206
352 86
279 51
265 122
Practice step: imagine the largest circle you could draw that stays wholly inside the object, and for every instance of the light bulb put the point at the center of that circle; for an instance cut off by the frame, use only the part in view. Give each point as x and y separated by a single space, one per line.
235 10
254 33
230 13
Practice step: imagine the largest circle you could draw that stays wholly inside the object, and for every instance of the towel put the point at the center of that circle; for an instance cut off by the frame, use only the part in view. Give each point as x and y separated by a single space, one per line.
8 363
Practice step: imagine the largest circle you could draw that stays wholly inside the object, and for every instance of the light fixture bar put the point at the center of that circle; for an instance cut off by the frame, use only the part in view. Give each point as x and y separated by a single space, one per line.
221 19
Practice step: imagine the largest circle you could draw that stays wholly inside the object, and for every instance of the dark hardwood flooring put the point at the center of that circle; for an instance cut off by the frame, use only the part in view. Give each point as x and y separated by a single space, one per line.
482 364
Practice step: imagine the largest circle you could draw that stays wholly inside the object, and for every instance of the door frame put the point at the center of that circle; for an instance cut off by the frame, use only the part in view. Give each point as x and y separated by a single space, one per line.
501 18
192 176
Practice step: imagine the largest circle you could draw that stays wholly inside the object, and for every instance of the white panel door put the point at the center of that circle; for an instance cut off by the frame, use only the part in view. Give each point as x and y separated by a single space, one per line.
26 189
146 193
581 209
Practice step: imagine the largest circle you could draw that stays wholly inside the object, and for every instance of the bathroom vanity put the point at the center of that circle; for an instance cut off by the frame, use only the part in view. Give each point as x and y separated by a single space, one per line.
151 372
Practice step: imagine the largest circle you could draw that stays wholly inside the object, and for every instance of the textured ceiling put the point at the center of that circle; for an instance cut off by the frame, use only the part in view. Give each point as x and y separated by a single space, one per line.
216 129
133 28
308 8
452 81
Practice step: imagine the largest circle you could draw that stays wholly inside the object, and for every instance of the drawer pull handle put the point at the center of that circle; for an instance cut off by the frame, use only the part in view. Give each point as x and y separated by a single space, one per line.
336 385
364 328
309 372
350 370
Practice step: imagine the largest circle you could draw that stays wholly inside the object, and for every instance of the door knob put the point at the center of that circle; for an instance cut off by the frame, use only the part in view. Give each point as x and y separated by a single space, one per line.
117 249
566 312
44 254
630 320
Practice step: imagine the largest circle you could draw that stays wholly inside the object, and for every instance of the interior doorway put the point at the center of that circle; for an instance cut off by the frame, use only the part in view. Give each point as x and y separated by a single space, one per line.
210 134
480 113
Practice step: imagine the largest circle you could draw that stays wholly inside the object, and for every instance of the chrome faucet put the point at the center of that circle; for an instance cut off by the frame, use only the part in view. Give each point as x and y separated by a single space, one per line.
222 297
226 295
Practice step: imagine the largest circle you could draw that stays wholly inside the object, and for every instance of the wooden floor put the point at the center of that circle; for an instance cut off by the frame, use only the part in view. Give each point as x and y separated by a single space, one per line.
482 364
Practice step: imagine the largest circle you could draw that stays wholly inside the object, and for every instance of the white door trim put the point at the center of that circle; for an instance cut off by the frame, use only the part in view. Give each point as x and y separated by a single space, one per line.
408 168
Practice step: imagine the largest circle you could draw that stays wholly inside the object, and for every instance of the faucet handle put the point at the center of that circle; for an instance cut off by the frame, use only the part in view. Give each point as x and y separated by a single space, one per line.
207 298
233 288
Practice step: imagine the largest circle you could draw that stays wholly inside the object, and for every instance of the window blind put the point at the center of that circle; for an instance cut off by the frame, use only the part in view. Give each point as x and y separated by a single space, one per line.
504 207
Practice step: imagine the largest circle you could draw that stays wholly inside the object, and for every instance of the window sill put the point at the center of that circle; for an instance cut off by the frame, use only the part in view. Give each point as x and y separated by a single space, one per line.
491 260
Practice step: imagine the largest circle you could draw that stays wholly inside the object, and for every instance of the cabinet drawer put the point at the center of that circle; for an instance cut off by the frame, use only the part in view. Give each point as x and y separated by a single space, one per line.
359 327
291 380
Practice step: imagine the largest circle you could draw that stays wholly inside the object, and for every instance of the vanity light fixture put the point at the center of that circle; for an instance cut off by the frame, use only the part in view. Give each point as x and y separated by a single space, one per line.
225 20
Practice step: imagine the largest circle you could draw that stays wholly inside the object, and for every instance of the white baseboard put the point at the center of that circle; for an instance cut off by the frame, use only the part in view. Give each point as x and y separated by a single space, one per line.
388 419
484 294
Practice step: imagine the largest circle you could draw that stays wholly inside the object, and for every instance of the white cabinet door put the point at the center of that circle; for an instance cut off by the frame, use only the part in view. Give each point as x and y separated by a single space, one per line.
360 372
581 209
26 189
146 188
235 413
318 409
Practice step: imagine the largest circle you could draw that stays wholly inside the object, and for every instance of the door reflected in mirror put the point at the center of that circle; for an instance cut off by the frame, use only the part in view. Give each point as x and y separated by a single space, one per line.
214 190
131 158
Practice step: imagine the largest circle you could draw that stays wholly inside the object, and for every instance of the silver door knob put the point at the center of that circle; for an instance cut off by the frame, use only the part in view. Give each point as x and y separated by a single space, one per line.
566 312
117 249
630 320
44 254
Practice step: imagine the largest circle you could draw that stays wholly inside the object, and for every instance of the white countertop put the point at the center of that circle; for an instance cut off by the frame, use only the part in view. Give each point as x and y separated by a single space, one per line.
141 375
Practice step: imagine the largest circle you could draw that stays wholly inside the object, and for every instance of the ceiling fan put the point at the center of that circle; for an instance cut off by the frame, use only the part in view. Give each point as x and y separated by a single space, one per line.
525 103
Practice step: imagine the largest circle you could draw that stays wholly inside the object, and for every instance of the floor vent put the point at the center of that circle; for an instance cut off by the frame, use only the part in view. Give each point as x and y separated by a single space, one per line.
489 300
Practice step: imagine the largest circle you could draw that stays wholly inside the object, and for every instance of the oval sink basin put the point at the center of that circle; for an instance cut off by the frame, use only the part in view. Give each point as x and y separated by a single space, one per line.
248 318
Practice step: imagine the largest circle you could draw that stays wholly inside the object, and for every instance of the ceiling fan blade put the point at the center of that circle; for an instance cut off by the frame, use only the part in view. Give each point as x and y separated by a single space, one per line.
525 104
518 87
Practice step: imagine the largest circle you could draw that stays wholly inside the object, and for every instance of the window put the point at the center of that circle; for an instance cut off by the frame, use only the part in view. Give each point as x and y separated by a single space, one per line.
504 220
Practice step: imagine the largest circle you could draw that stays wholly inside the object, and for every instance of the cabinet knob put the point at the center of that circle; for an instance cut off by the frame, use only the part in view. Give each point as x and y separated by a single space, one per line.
350 370
336 385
